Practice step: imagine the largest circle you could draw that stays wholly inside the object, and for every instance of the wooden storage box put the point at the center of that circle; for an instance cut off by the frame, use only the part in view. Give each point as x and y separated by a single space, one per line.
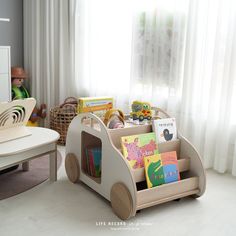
123 186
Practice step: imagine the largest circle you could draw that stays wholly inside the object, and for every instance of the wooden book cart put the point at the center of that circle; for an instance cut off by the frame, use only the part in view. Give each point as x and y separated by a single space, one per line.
123 186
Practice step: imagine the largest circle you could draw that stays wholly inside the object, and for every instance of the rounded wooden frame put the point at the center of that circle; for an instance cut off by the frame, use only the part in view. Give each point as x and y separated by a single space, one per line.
193 183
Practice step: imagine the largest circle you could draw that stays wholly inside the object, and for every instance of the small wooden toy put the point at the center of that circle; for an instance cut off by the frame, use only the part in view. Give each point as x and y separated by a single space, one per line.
13 118
119 183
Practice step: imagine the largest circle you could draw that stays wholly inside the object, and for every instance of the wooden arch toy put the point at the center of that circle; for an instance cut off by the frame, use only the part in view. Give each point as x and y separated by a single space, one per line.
119 183
14 117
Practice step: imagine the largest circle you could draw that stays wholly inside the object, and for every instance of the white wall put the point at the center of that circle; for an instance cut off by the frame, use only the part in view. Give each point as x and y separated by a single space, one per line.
11 33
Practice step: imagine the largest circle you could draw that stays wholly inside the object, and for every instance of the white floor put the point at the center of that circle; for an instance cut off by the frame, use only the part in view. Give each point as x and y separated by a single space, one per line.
63 208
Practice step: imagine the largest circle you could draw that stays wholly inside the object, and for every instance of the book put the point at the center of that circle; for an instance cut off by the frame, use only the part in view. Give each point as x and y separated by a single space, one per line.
87 162
165 129
97 105
161 169
136 147
154 171
93 161
96 153
170 166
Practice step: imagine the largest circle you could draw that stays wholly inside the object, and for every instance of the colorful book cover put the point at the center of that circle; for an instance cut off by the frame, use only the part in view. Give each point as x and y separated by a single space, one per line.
97 105
170 166
93 155
87 162
136 147
96 152
91 163
161 169
165 129
154 170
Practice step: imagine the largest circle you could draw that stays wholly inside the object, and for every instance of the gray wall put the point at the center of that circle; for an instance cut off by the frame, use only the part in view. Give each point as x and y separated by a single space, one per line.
11 33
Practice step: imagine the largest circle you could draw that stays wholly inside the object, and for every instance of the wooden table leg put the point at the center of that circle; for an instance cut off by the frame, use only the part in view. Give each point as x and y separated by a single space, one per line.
53 165
25 166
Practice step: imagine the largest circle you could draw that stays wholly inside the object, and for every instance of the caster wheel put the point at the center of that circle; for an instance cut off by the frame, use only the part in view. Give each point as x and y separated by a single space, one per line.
72 167
121 201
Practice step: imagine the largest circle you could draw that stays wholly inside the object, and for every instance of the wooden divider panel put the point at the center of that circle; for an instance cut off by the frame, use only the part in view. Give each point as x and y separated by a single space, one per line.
166 192
170 146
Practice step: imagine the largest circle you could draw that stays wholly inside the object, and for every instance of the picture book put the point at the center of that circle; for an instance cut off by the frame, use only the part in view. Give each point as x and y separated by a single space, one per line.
154 170
165 129
170 166
161 169
97 105
87 162
136 147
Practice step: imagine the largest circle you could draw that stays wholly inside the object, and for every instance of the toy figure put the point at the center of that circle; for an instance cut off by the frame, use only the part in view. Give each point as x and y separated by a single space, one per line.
18 76
17 79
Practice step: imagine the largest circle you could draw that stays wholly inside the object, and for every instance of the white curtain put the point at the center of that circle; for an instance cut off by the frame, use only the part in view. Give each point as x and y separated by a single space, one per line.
179 55
103 36
207 112
48 46
159 32
110 49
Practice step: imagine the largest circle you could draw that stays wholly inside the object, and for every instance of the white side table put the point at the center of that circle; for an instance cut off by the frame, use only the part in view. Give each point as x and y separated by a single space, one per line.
41 142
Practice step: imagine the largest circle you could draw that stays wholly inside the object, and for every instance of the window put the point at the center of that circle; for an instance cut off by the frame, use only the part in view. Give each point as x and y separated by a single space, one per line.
158 44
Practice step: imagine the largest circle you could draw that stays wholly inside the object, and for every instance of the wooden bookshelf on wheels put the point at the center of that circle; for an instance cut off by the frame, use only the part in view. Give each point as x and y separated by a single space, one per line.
123 186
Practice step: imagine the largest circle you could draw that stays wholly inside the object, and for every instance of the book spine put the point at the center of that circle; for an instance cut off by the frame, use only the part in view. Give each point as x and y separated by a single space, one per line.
87 162
91 161
97 161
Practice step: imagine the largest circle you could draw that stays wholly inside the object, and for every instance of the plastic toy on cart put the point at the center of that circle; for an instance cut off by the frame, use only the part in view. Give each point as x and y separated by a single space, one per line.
119 183
141 111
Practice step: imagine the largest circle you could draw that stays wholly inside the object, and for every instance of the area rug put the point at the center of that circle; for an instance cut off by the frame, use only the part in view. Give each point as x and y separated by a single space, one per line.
18 181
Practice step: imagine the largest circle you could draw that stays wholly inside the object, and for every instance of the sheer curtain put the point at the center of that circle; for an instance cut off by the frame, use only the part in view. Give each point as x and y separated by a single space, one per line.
179 55
207 114
103 37
48 46
111 48
159 32
184 60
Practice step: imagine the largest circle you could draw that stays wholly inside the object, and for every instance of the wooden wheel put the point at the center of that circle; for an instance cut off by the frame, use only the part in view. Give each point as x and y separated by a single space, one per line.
72 167
121 201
